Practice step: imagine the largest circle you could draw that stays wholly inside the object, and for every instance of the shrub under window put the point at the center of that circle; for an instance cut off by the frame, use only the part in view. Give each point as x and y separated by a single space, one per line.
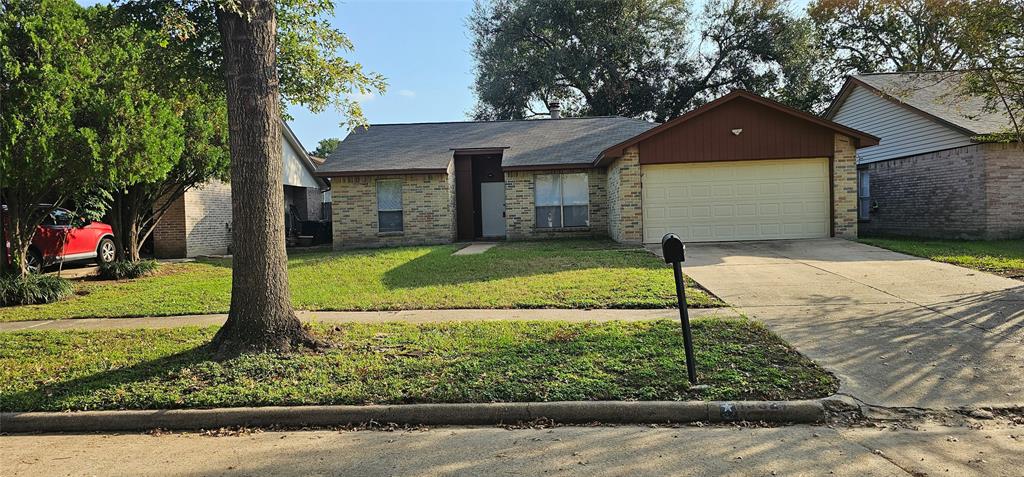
562 200
389 205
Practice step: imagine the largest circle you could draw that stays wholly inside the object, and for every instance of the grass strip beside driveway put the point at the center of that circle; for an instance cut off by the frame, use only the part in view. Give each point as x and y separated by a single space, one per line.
1002 257
551 274
399 363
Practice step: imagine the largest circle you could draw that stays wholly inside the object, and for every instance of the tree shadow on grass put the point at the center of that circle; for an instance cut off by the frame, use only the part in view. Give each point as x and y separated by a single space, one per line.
440 267
554 363
45 396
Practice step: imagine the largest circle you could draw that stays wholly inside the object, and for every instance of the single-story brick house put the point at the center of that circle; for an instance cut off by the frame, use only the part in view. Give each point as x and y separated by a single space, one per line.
738 168
199 222
933 173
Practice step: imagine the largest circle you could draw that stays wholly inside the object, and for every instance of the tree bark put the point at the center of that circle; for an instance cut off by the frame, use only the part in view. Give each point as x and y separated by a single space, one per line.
261 317
125 218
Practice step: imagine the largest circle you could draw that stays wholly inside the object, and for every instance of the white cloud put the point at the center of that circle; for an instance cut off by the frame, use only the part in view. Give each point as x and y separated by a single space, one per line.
408 93
362 97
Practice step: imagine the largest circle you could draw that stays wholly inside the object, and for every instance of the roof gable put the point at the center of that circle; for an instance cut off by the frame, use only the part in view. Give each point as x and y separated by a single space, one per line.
932 95
760 105
298 168
904 130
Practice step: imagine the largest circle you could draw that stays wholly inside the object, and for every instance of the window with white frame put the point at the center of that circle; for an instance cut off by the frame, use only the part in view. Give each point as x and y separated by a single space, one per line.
389 205
562 200
864 195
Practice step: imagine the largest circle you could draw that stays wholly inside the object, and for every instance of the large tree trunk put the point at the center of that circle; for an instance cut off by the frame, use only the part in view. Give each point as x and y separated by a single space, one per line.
125 218
261 316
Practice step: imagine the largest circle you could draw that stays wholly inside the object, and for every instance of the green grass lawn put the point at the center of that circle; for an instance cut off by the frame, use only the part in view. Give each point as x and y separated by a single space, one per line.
1004 257
551 274
404 363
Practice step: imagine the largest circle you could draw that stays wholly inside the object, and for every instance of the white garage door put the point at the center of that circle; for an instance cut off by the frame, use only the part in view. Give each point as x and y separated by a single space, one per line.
747 200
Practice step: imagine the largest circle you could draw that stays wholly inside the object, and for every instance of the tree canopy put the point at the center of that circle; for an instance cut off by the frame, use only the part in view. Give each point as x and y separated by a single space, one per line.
650 59
325 147
868 36
47 150
311 62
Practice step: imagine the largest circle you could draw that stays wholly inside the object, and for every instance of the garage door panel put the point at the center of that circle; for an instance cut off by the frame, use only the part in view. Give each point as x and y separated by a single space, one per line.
747 200
746 210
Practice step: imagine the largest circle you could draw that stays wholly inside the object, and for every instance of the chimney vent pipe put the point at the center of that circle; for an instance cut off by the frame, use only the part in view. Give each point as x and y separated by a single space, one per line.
555 109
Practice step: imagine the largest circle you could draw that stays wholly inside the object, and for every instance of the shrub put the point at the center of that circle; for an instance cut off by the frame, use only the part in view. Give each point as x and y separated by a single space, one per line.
33 289
127 269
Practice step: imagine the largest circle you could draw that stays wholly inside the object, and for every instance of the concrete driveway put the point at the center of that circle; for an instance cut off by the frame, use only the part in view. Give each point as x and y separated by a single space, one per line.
899 331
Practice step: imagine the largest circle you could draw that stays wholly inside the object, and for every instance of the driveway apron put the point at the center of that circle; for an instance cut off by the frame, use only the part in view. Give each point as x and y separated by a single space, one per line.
899 331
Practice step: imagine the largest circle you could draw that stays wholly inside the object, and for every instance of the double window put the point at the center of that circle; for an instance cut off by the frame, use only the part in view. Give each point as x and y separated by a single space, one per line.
562 200
863 195
389 205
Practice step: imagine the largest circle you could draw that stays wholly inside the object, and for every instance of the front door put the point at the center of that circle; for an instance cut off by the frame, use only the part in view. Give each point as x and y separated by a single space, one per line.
492 210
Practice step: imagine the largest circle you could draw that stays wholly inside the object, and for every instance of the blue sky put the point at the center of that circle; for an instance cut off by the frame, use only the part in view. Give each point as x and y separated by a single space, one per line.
421 47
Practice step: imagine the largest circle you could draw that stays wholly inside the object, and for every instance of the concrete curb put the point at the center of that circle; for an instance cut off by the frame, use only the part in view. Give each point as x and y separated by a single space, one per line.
568 412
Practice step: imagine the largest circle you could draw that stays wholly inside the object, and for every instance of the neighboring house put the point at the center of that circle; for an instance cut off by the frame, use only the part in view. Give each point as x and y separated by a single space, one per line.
931 175
738 168
199 222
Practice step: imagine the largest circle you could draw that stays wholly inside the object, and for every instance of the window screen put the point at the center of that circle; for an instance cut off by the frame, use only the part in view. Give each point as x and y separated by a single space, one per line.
389 205
562 200
864 195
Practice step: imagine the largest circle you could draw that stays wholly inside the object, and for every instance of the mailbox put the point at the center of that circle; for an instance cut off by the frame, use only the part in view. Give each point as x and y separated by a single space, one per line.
673 249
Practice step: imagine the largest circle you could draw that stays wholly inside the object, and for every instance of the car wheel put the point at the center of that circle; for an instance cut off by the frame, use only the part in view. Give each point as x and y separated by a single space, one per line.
34 261
105 252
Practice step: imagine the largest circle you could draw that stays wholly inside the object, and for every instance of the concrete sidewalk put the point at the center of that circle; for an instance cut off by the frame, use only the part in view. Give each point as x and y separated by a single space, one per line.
408 316
898 330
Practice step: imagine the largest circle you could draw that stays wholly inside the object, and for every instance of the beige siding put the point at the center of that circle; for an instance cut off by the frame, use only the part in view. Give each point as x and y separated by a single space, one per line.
902 132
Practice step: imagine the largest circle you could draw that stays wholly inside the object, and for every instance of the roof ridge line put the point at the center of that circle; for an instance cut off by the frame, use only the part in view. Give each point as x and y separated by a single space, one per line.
506 120
881 73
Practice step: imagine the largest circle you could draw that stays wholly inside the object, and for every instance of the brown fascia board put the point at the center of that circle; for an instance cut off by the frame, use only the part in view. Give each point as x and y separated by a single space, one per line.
848 89
549 167
381 172
470 151
862 139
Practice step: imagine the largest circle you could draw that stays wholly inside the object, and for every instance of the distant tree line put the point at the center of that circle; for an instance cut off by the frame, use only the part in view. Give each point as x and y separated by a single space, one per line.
656 59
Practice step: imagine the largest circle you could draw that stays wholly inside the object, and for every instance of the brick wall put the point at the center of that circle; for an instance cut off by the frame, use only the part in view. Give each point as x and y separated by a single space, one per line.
1004 191
625 208
427 215
169 233
521 217
198 223
208 219
939 194
844 188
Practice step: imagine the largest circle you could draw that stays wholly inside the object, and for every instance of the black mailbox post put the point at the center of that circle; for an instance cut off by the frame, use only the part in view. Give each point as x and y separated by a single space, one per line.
674 251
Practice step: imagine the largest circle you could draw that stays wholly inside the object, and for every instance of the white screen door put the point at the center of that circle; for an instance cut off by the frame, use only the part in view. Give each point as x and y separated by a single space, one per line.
492 209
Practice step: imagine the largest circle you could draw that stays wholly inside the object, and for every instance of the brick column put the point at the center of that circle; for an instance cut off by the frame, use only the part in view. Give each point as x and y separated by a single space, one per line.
844 188
625 198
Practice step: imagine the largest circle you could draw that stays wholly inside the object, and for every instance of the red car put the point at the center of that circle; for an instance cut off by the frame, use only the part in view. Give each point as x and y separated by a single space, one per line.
58 239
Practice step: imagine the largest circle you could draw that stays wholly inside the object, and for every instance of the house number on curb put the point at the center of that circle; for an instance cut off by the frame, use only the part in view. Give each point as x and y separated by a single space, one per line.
674 251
